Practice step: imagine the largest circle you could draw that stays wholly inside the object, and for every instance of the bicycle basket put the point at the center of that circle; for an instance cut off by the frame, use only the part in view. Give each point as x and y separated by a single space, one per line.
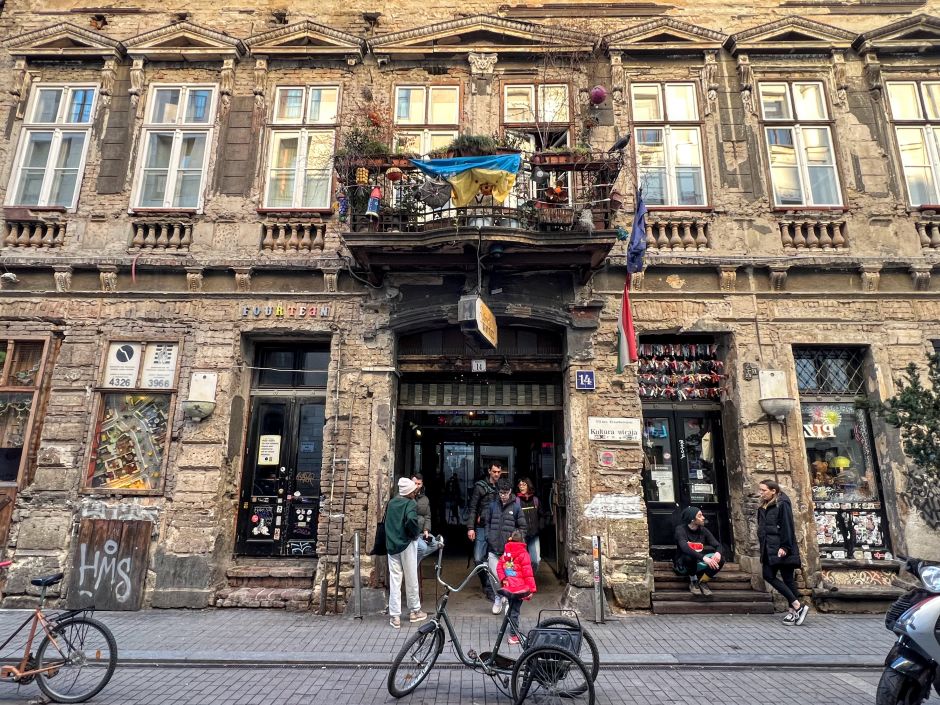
560 636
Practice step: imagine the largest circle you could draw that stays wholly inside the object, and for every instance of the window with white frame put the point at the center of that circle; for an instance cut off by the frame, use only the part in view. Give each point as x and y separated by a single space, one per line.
175 146
300 150
915 112
426 117
799 144
528 103
668 143
51 155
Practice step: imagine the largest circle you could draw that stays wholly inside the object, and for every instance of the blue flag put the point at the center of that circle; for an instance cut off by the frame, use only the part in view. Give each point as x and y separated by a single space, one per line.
637 247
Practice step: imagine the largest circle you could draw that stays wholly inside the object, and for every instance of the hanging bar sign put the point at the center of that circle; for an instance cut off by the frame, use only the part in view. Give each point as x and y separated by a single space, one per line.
477 318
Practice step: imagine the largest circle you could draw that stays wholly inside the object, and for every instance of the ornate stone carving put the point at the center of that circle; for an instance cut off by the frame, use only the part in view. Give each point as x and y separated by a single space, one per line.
839 77
242 279
137 82
920 277
194 279
746 79
330 277
778 277
227 82
710 81
63 278
108 75
727 276
261 74
482 67
22 82
482 64
872 69
108 276
871 276
636 281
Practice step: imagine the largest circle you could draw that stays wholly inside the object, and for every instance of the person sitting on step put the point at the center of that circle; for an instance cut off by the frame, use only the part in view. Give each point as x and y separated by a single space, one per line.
699 556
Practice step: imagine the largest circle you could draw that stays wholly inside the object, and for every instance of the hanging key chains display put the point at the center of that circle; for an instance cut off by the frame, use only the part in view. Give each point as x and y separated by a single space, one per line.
680 371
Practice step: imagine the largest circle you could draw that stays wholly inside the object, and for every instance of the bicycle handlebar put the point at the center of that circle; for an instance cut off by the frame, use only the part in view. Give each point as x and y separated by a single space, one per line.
451 588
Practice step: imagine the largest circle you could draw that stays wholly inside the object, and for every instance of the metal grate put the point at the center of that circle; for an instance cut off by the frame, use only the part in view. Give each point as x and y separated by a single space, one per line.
830 371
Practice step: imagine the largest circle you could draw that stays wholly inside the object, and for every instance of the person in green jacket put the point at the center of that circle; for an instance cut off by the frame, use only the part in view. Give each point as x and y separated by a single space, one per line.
401 533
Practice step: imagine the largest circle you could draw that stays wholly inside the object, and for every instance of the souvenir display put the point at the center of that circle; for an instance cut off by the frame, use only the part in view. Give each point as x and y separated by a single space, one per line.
680 371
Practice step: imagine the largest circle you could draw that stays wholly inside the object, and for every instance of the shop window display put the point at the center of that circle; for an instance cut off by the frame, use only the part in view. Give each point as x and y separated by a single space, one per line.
134 414
849 516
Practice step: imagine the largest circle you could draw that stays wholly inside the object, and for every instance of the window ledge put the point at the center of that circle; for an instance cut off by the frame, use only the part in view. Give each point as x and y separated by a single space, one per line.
14 212
164 211
679 209
892 566
807 210
293 212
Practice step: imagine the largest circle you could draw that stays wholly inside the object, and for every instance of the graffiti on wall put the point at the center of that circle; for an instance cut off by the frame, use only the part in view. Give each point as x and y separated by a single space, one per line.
109 564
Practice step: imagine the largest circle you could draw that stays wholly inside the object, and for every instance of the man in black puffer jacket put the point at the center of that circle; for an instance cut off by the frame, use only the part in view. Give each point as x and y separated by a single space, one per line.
501 517
483 492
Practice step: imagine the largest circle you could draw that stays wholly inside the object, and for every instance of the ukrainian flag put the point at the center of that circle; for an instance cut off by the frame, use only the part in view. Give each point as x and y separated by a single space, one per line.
467 174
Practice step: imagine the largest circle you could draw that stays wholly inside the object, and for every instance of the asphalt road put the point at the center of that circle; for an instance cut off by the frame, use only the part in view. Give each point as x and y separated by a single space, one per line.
452 685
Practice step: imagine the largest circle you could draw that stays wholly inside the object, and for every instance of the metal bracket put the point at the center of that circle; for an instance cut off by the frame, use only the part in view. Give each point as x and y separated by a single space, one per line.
750 371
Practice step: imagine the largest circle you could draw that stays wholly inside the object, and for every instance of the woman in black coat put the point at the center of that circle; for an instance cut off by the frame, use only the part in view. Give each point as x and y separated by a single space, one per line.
779 552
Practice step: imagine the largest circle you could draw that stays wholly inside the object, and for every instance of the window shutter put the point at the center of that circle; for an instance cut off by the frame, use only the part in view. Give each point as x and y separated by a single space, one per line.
116 142
235 170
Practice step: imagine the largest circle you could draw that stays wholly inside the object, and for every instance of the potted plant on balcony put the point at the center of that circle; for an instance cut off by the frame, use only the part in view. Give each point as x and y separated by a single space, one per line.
362 147
467 145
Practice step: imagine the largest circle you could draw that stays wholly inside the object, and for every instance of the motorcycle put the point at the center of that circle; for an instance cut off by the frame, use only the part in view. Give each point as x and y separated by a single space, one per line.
911 666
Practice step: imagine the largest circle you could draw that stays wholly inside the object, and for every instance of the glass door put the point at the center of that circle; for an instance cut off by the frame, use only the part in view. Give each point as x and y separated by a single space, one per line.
683 465
280 496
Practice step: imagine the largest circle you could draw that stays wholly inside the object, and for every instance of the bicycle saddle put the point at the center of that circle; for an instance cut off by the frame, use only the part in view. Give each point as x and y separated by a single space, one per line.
47 580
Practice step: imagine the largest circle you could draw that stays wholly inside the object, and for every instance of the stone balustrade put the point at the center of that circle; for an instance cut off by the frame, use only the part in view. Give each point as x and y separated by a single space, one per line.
928 231
292 236
163 234
34 233
812 234
670 233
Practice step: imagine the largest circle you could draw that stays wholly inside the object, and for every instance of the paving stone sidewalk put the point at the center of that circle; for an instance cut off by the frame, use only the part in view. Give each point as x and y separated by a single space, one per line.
273 637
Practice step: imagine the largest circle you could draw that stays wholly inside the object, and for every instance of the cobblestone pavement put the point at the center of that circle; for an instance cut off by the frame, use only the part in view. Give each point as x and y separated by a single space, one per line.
287 638
453 686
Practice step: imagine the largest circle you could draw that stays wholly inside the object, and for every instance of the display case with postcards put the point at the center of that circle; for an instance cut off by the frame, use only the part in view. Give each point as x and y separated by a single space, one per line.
850 522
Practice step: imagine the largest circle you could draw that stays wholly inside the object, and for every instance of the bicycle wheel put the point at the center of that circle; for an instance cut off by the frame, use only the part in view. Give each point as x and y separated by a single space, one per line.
588 653
81 656
547 675
414 662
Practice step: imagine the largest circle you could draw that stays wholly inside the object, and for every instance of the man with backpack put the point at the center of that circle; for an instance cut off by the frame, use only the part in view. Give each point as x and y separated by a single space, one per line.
483 491
501 517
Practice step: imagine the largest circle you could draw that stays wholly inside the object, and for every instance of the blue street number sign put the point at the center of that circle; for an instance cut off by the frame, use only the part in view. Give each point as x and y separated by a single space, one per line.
585 379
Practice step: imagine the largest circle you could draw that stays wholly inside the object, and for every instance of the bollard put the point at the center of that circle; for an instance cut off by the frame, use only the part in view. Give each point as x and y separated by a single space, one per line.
357 577
598 580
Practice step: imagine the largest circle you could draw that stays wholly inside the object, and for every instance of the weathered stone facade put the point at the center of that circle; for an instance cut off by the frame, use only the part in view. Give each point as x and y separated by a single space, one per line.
756 277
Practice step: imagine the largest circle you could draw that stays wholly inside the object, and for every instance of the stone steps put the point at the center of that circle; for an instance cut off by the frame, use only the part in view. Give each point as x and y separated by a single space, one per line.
270 583
275 598
732 590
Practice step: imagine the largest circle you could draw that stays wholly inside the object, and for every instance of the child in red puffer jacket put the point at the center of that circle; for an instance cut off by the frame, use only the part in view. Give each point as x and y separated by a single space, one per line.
516 580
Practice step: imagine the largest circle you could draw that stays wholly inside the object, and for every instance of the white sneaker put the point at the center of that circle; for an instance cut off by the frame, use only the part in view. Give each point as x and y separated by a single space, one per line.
497 605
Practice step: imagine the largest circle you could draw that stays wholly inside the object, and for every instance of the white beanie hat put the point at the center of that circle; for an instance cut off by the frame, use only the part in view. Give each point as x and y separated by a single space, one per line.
406 486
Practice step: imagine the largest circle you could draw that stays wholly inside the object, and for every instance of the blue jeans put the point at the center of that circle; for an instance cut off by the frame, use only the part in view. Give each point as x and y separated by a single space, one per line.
535 551
480 556
426 548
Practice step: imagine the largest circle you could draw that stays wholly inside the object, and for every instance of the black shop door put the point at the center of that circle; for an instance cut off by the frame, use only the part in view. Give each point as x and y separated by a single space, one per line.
684 465
280 497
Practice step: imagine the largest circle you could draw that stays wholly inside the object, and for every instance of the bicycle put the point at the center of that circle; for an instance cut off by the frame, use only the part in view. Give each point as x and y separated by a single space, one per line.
549 670
76 657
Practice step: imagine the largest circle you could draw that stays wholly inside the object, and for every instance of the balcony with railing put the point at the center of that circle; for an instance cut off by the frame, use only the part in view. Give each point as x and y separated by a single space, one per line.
559 214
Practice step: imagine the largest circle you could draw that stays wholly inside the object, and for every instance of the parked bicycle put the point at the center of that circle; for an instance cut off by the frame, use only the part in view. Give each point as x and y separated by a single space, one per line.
76 657
551 668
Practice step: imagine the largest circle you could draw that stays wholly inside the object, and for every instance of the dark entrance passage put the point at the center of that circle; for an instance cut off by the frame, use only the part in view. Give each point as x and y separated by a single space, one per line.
451 449
280 496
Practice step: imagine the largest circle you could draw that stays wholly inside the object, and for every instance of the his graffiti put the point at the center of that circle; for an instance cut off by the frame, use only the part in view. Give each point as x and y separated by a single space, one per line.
104 568
301 548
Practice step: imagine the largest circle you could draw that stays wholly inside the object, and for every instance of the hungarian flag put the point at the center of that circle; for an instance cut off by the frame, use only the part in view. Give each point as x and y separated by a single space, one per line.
626 334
